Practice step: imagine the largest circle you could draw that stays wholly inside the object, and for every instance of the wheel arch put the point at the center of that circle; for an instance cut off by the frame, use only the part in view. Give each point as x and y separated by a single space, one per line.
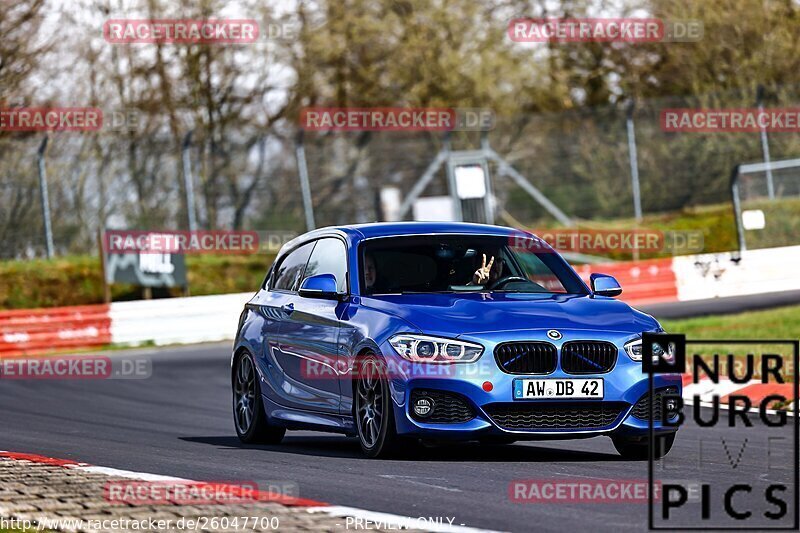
237 353
366 347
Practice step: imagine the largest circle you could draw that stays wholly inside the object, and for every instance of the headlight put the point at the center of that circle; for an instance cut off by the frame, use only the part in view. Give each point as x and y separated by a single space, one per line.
634 349
427 349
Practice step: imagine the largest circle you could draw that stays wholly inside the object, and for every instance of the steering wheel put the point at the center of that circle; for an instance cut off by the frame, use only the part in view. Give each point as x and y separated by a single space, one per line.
502 281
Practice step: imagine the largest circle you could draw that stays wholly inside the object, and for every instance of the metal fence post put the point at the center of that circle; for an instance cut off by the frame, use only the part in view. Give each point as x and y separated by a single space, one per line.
765 143
637 198
488 200
305 188
48 230
737 208
189 182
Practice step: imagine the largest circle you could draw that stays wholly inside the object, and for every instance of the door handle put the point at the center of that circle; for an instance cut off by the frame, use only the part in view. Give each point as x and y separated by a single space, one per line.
287 308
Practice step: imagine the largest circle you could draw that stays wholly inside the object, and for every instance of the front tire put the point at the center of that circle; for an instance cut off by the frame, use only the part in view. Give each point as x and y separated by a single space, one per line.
249 417
372 408
638 449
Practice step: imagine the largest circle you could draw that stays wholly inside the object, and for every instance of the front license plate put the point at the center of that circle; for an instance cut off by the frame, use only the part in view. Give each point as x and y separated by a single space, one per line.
539 389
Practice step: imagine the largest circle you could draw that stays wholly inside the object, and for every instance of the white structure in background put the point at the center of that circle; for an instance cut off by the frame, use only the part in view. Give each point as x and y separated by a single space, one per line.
434 208
753 219
466 166
470 182
391 198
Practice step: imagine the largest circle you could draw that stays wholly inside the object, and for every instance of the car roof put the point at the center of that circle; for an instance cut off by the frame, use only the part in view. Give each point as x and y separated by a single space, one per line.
394 229
359 232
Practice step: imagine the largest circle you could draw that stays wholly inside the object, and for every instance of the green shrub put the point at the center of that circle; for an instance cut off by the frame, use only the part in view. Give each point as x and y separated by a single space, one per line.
77 280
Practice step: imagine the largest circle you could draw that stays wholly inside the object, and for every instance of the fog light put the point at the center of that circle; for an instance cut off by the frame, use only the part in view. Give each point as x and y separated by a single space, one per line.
423 407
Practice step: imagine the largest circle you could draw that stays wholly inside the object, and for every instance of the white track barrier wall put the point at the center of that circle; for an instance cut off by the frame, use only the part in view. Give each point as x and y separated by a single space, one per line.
177 320
699 277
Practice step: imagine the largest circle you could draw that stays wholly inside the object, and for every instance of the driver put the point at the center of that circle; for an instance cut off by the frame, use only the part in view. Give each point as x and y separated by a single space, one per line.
489 272
370 272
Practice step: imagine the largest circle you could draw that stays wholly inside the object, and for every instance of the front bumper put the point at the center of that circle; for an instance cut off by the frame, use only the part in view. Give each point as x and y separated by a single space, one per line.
624 386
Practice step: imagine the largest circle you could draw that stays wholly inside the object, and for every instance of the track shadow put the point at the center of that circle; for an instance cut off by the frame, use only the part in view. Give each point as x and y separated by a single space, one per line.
322 446
348 448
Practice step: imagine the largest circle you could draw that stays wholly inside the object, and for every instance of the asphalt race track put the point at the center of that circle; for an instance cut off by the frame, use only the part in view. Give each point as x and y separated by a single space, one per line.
722 306
178 422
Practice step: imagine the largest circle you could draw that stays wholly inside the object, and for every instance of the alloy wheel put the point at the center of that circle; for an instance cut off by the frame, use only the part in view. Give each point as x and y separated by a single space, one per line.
244 390
370 403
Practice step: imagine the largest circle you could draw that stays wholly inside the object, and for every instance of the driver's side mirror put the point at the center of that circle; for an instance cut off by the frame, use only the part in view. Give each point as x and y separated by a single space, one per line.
322 286
605 285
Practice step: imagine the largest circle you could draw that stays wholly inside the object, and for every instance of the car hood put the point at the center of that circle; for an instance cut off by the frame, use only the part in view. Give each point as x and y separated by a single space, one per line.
468 314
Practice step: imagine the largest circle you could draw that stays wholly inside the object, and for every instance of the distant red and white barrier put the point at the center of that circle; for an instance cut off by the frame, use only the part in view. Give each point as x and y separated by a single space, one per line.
700 277
164 321
705 390
214 318
35 331
650 281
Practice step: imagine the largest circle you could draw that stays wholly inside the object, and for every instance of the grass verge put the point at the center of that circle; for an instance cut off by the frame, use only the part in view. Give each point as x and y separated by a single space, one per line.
782 323
779 323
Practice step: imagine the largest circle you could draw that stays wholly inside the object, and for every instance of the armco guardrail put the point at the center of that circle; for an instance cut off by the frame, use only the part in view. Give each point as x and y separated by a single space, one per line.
214 318
33 331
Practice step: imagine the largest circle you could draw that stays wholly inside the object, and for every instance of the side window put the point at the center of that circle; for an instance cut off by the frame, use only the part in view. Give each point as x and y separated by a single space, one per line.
329 257
290 270
536 270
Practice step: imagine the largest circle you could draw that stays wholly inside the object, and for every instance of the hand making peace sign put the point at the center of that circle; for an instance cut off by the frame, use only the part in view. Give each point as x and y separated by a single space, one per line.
481 275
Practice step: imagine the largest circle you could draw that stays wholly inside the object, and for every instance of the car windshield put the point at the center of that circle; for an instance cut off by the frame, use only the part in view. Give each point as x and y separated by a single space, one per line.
462 263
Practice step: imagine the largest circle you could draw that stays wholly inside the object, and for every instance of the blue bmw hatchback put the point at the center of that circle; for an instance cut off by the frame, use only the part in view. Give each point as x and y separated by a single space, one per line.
441 331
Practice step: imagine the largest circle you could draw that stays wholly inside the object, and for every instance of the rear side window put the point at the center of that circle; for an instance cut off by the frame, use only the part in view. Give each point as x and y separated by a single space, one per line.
291 268
329 257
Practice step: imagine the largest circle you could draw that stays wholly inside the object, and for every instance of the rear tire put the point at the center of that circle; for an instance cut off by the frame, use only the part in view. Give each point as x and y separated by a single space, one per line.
372 409
249 417
638 449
